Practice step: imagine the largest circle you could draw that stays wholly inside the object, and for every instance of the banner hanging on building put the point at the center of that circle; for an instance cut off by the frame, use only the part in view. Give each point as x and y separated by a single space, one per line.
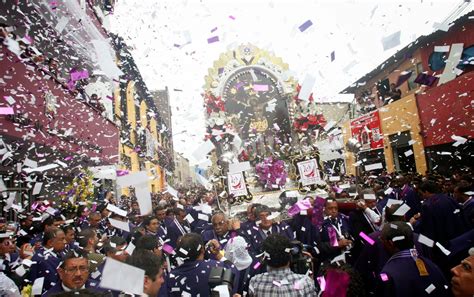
236 183
367 130
309 172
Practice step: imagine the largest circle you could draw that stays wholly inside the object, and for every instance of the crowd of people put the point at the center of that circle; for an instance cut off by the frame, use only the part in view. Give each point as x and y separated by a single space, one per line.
396 235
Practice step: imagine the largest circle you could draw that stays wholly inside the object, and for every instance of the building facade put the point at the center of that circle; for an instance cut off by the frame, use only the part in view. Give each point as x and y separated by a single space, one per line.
56 118
183 176
142 127
428 124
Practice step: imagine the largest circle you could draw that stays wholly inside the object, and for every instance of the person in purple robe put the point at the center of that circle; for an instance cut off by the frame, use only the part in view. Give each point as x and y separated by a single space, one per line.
407 274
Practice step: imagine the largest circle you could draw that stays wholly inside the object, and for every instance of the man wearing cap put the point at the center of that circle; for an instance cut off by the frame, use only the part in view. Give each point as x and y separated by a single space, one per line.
264 227
407 274
192 275
48 258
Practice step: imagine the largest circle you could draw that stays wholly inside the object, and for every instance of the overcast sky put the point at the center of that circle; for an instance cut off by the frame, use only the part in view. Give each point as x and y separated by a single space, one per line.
352 29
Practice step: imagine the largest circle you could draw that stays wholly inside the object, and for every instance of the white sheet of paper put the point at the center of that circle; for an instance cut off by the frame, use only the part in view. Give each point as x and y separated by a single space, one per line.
391 41
239 167
451 63
104 172
370 197
373 166
402 210
202 151
334 178
117 210
61 24
425 240
30 163
41 168
408 153
172 191
329 125
130 248
9 100
203 181
143 198
37 286
37 188
120 225
237 142
133 179
306 87
105 59
442 48
391 202
223 290
443 249
114 274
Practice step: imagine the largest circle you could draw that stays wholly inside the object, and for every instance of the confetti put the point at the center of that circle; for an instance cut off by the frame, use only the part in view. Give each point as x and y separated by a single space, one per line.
305 25
366 238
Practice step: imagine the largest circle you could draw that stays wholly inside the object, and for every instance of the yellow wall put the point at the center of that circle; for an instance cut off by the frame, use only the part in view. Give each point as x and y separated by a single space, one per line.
157 184
400 116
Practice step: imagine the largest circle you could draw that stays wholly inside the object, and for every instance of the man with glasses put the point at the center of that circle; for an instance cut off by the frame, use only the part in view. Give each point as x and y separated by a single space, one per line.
73 273
222 230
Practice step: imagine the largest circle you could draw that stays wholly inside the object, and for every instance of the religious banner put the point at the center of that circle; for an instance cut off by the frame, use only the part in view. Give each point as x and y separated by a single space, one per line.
367 130
236 184
309 172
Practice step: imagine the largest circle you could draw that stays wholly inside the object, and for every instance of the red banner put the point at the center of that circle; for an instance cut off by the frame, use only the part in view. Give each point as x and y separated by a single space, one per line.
367 130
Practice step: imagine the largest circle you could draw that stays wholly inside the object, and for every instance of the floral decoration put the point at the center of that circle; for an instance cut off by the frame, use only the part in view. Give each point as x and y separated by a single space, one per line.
271 173
307 115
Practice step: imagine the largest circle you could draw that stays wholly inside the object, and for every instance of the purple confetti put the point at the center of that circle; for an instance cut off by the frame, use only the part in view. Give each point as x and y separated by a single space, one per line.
260 88
213 39
214 30
305 25
232 17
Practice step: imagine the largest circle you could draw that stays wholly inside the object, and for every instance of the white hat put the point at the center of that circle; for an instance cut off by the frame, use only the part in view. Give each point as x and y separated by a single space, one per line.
236 252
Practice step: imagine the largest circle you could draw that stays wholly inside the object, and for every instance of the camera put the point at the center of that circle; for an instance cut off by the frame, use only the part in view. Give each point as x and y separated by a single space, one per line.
299 262
218 277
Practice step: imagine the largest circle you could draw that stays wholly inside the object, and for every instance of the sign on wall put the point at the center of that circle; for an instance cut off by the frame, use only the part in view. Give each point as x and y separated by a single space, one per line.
367 130
309 172
236 183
